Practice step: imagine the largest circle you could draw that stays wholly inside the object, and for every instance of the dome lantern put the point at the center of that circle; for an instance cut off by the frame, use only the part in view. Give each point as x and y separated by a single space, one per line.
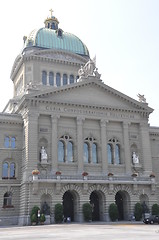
51 22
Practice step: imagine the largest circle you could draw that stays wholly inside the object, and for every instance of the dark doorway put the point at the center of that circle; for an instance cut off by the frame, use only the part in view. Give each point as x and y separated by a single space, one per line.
119 202
94 201
68 206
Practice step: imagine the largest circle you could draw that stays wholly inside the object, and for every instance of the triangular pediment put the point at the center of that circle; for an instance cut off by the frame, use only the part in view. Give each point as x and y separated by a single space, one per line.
91 92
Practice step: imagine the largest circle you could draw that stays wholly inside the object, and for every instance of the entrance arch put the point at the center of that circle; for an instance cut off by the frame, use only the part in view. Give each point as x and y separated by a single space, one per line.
68 205
97 201
122 201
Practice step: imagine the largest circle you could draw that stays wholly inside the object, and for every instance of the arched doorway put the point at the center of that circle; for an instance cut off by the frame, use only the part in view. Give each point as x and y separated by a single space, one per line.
68 205
119 203
94 201
122 201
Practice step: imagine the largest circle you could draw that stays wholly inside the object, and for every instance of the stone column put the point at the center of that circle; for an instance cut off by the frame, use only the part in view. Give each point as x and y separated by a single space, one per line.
104 146
127 154
54 152
146 149
80 143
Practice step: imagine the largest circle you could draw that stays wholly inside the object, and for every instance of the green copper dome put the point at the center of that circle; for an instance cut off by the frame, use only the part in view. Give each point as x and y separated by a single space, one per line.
52 37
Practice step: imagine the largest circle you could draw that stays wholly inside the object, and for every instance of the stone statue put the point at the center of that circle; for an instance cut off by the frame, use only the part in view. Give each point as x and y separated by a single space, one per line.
135 158
89 69
45 209
141 98
145 208
43 154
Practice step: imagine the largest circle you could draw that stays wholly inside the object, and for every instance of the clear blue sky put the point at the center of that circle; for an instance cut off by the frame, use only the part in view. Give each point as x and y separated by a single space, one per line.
123 34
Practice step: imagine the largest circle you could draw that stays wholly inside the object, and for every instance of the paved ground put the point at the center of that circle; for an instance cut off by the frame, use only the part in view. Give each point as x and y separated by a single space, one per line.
91 231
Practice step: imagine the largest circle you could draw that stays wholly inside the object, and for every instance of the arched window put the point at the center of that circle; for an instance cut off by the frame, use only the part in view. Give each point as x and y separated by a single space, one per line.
64 79
71 79
7 142
90 150
51 78
94 153
66 146
60 151
69 152
86 153
12 142
7 200
59 33
117 154
44 77
53 26
110 153
58 79
5 169
113 150
12 170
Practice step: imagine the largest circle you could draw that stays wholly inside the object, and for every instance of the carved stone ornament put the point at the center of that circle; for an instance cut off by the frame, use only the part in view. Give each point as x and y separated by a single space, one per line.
89 69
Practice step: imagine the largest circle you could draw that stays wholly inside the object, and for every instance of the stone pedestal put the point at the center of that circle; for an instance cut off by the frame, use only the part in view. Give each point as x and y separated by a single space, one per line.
47 221
35 176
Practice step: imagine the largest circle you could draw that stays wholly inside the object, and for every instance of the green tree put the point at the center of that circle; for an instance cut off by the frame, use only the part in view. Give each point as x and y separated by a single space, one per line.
155 209
58 213
113 212
138 211
87 211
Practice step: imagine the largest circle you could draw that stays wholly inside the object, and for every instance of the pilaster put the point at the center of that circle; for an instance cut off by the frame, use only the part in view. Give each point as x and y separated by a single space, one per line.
31 142
146 152
80 143
104 146
54 153
127 154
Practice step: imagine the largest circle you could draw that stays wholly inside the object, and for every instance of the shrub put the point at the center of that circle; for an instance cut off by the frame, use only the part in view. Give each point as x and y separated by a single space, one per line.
87 211
42 217
138 211
58 213
155 209
35 210
113 212
34 214
34 218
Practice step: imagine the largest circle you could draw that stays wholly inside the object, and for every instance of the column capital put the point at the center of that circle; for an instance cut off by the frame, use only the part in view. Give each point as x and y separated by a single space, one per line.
55 117
126 124
103 122
80 120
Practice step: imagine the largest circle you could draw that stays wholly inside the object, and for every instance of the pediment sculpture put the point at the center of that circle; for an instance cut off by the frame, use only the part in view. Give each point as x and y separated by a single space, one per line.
89 69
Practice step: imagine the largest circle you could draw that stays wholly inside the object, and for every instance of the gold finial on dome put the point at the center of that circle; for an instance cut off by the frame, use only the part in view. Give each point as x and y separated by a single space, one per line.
51 11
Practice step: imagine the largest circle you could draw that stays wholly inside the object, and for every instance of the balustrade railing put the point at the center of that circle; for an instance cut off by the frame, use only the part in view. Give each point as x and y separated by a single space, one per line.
93 177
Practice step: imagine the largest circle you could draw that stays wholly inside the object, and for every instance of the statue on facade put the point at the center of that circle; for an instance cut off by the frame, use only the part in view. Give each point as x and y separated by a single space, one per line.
89 69
141 98
135 158
43 154
45 209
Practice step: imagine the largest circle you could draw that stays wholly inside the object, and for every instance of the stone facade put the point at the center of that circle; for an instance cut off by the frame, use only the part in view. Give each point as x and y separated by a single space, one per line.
84 127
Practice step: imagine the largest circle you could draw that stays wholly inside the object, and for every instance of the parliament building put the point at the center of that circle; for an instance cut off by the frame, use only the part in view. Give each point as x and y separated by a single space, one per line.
67 137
